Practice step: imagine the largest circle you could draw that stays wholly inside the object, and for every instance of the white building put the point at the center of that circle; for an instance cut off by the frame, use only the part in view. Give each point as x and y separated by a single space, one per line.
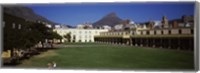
118 27
57 26
106 27
80 35
48 25
157 24
80 26
84 26
132 22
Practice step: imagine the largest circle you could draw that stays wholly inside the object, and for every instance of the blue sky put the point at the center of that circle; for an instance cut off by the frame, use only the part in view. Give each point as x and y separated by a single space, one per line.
73 14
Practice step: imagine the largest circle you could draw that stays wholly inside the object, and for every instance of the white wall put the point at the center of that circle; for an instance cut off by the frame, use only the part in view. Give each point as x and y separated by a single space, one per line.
83 35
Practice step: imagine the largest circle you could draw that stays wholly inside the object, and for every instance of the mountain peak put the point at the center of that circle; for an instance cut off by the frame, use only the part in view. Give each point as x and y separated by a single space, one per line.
112 14
110 19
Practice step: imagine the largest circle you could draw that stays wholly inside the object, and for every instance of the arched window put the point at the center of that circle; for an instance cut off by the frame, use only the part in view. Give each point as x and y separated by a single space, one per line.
141 32
192 31
147 32
13 25
179 31
154 32
19 26
4 24
169 31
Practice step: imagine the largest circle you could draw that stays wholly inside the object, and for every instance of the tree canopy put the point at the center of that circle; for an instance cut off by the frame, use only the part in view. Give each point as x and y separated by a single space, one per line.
25 34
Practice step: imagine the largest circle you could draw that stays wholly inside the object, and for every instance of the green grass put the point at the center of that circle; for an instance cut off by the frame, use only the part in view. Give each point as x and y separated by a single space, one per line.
103 56
83 43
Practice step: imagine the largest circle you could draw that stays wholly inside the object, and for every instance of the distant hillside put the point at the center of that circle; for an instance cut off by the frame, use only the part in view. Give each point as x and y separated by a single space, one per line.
26 13
111 19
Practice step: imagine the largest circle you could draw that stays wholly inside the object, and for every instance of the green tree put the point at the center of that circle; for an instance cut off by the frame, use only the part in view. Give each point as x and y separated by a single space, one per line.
27 36
68 37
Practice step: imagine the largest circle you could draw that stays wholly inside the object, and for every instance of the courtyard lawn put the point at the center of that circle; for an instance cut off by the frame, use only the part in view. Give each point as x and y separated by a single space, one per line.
107 56
85 43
